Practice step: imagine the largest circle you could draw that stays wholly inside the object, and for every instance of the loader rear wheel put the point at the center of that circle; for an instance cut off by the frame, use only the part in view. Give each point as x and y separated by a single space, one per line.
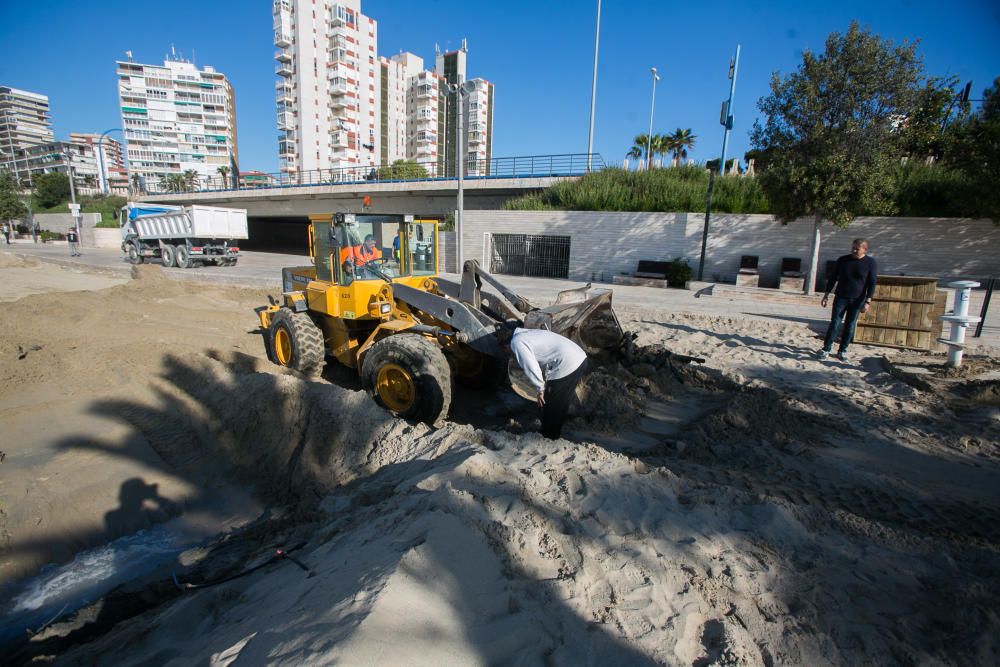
409 375
295 341
168 255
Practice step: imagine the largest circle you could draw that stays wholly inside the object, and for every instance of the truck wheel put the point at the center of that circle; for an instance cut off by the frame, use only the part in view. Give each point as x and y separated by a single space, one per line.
132 253
409 375
295 341
168 255
479 371
183 257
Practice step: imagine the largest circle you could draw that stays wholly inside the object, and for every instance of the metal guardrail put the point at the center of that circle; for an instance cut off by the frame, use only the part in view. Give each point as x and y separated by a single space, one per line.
529 166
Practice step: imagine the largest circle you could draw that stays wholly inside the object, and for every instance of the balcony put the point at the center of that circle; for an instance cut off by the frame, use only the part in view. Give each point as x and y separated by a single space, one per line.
426 138
476 138
286 149
286 121
283 94
426 91
338 86
283 55
284 69
338 102
338 140
282 39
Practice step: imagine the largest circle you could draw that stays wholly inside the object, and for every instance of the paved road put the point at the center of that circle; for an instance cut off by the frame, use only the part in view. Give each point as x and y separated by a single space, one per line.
262 269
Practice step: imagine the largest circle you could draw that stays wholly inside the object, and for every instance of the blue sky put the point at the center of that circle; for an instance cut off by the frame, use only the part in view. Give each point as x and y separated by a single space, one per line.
539 55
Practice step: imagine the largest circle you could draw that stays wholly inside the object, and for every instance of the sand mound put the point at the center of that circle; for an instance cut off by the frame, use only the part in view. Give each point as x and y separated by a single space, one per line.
799 513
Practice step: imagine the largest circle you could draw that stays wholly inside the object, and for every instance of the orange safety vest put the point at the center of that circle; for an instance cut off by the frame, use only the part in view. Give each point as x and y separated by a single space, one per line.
360 255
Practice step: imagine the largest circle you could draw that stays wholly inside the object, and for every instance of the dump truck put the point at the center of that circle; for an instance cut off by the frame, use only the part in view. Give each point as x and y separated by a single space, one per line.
372 300
182 236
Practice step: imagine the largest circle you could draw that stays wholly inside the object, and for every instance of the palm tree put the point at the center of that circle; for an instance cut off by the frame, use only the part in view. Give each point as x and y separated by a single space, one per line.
224 171
190 177
174 182
640 146
680 142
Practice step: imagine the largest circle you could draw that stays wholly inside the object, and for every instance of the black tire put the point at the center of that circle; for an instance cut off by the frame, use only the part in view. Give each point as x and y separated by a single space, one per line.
409 375
132 254
183 257
168 255
480 371
294 341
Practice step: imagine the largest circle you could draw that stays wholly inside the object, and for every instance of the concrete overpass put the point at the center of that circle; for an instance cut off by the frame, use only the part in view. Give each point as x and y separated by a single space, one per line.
428 197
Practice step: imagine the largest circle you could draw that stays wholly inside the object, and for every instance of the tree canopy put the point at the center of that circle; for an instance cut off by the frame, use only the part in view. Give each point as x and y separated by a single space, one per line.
975 151
11 206
401 170
829 132
51 190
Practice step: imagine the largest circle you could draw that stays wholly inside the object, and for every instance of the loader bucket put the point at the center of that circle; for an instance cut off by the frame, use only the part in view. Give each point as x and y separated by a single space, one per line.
583 315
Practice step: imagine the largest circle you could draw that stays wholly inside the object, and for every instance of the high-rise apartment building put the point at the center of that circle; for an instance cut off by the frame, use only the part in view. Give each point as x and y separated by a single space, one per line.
177 119
340 105
478 100
24 120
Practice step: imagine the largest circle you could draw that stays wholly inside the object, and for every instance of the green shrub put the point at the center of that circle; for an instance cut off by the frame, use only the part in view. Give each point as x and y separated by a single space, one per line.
679 272
921 191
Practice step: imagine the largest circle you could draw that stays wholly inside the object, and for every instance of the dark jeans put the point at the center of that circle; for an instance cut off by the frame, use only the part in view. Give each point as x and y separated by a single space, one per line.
558 394
844 310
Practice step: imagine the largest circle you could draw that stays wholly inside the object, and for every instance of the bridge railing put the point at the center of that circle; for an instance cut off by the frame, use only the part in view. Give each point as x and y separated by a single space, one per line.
526 166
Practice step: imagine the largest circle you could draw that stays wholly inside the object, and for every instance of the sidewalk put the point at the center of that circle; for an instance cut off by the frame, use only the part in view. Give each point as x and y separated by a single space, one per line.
263 270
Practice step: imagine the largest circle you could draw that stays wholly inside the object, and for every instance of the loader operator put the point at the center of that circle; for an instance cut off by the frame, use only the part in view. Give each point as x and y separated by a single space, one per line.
553 364
358 256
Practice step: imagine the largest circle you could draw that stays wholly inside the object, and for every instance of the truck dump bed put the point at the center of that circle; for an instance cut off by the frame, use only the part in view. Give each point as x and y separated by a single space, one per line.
201 222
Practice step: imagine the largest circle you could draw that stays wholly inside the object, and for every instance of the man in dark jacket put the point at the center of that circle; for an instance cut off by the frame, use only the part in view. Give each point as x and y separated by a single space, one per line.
854 276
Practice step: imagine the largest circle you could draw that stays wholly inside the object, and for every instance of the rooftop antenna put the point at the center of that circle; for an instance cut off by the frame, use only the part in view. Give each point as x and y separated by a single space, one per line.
465 44
173 52
129 55
437 49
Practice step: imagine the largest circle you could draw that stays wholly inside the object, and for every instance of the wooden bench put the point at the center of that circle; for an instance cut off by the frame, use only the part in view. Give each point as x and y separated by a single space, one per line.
650 269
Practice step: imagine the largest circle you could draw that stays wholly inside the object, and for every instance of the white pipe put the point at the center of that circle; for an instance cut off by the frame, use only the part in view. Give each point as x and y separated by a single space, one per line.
960 321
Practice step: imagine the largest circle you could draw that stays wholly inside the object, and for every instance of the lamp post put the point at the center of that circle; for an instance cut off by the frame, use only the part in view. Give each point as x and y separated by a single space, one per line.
649 137
727 109
100 157
593 91
460 91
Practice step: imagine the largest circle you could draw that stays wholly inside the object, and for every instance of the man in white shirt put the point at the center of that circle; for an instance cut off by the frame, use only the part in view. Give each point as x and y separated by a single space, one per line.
553 364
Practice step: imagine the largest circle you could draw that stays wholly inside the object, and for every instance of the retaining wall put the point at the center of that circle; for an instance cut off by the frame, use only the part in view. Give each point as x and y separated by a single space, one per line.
605 244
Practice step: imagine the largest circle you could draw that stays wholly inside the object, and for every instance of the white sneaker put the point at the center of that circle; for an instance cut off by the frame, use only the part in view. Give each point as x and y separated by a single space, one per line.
842 356
822 354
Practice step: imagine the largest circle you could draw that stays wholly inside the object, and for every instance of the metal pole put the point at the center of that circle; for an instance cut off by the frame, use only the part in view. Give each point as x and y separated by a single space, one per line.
649 137
593 90
985 308
460 173
704 233
729 109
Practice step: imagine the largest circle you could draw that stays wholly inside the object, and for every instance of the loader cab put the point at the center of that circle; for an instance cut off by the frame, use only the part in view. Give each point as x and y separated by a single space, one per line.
348 248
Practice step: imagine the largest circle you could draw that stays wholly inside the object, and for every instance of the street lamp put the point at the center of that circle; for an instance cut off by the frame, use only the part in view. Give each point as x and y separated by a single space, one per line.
649 137
460 91
593 90
100 156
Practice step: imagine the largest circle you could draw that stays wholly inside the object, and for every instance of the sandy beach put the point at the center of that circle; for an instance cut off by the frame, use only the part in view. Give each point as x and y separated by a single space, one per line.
760 508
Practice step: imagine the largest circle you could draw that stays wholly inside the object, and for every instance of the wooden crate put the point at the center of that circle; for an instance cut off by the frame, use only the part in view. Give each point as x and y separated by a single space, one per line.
905 313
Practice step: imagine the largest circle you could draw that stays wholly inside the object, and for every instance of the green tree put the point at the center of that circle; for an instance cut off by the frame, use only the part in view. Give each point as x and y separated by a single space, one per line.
680 142
641 145
174 182
923 132
11 206
401 170
976 153
190 179
50 190
829 131
224 172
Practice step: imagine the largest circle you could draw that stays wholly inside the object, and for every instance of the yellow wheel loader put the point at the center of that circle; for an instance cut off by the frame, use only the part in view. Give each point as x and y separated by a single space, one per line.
372 299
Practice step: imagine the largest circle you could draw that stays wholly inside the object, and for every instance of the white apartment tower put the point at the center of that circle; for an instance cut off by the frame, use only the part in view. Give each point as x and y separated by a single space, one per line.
328 95
340 106
176 119
24 120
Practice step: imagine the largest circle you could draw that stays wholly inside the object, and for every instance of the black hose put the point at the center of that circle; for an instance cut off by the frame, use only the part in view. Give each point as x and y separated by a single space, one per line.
279 554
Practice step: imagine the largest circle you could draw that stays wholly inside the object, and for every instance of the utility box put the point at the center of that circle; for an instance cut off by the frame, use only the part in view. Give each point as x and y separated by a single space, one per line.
905 313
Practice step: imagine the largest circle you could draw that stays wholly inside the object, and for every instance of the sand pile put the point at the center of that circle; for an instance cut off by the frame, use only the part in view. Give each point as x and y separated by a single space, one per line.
795 512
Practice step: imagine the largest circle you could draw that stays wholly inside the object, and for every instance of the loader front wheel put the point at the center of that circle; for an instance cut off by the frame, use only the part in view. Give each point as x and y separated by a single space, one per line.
409 375
295 341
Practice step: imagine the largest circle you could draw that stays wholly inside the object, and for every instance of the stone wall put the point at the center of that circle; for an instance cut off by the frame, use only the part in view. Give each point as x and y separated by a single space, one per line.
607 244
